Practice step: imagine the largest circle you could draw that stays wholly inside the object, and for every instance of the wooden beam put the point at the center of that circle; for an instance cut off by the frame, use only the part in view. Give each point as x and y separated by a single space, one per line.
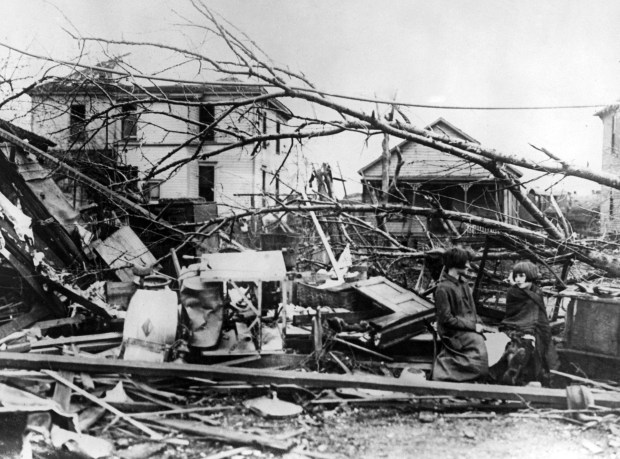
328 248
79 299
553 397
225 435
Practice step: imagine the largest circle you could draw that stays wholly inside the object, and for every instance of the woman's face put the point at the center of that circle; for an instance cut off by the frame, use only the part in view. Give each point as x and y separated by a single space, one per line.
521 280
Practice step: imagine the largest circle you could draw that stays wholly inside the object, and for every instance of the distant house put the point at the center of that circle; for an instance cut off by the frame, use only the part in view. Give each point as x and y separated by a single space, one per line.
610 198
429 175
117 132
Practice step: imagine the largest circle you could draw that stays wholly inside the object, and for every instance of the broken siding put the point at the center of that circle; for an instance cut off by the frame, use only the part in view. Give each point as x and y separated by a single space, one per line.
423 161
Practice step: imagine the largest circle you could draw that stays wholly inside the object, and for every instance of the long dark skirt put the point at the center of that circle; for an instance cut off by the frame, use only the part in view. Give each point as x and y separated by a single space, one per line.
463 358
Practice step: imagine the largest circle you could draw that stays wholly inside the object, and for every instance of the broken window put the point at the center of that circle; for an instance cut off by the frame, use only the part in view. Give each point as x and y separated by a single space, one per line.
129 122
206 182
77 122
206 116
152 190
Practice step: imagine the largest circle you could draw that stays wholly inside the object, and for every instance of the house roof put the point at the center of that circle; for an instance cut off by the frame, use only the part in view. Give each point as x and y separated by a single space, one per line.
76 84
33 139
436 126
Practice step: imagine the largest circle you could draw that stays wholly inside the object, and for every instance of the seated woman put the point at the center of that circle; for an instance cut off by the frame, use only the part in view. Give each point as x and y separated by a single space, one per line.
463 356
531 354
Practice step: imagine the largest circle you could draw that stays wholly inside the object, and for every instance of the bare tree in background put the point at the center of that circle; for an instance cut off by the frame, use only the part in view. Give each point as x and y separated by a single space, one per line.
189 116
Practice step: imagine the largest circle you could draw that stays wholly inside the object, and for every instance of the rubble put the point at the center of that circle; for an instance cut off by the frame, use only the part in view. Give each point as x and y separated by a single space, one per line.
122 354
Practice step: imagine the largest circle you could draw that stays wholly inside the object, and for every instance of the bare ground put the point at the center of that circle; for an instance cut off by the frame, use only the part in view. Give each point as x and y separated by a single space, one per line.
395 433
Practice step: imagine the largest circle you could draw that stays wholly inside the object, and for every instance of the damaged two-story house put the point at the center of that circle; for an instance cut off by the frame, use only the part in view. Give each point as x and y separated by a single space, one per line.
177 147
432 178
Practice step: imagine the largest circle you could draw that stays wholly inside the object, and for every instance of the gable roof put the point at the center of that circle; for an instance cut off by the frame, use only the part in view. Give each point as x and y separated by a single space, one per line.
444 127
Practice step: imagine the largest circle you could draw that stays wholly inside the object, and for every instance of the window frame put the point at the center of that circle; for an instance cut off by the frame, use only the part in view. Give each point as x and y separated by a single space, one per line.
203 165
77 122
129 122
206 117
149 186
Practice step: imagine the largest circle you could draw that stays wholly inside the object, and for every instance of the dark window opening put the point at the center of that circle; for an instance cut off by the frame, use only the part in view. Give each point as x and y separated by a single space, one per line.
152 190
129 122
77 122
277 140
206 116
277 187
611 205
206 182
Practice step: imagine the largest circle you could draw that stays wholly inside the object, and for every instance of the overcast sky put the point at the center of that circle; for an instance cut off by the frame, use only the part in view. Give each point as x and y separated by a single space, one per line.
458 53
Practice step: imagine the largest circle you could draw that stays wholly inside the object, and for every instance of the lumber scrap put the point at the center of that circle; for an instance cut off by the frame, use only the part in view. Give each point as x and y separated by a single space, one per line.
41 200
35 314
123 249
79 299
154 435
544 396
325 241
226 435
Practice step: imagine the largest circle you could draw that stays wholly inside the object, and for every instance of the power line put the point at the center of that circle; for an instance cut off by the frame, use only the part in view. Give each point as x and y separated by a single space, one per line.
316 91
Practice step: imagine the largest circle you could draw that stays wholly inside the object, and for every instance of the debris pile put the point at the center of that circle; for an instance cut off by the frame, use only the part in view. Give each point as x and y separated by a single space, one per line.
107 352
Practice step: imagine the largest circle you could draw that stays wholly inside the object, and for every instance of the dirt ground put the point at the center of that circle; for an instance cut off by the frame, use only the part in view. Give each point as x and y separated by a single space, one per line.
395 433
369 432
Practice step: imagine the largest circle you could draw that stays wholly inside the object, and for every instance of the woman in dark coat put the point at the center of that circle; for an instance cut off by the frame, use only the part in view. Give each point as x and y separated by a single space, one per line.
531 353
463 356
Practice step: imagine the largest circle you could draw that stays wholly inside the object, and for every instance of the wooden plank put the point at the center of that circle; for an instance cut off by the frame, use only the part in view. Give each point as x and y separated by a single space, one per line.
328 248
112 336
49 324
226 435
62 392
37 313
544 396
79 299
122 249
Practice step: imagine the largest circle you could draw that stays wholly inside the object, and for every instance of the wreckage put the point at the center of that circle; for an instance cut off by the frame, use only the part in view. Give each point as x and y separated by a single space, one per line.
123 325
101 315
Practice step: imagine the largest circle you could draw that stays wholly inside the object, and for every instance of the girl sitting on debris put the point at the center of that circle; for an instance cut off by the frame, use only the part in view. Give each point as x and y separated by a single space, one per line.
463 356
531 354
